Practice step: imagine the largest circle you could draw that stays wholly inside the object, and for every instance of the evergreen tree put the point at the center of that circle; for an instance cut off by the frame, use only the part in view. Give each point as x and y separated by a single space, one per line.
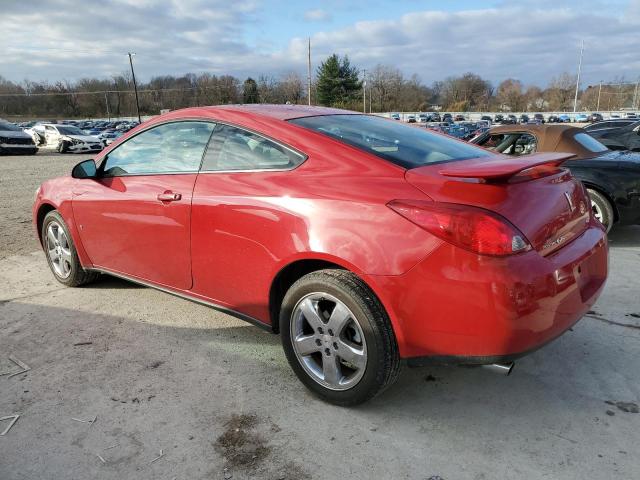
338 82
250 91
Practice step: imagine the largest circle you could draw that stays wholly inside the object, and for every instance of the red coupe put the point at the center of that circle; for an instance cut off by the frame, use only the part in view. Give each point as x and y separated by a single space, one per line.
362 241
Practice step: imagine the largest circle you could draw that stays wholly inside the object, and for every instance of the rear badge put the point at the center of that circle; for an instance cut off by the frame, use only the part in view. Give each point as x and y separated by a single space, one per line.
554 243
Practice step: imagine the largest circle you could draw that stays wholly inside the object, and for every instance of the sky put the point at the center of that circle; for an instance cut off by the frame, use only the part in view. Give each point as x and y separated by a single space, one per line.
531 40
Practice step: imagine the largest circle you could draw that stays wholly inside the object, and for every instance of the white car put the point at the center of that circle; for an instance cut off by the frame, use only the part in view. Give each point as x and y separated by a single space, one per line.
64 138
14 141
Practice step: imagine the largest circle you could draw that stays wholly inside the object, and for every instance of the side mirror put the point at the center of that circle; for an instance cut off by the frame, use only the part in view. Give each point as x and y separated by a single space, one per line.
86 169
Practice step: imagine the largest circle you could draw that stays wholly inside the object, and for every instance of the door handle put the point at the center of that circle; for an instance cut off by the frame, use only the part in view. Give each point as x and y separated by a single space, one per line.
169 197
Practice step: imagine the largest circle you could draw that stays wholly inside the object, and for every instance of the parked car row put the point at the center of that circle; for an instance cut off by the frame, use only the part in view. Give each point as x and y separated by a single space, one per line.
510 118
67 136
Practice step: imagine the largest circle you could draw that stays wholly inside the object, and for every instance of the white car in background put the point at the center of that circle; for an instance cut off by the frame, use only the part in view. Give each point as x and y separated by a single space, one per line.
64 138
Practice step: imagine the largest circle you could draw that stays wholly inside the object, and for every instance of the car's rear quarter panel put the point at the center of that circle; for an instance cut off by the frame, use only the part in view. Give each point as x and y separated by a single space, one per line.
248 226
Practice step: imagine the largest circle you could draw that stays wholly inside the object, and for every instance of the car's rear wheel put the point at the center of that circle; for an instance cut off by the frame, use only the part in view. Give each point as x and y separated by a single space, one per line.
63 147
338 338
602 209
61 252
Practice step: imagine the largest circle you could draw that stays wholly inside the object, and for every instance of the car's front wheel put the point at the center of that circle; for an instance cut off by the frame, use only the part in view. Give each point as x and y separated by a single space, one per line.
61 252
602 209
338 338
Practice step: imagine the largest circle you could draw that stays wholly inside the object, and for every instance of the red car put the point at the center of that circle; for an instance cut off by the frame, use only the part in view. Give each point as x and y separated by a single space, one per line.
361 240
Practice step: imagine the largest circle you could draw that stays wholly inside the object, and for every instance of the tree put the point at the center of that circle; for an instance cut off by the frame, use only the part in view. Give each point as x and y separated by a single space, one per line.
467 92
561 91
510 96
250 91
338 82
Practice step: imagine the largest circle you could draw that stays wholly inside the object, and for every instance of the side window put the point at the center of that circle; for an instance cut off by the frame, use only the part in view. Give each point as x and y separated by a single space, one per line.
49 129
493 141
525 144
170 148
232 148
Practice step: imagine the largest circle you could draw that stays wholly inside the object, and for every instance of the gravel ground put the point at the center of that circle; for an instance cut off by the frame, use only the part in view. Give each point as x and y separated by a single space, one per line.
19 178
217 397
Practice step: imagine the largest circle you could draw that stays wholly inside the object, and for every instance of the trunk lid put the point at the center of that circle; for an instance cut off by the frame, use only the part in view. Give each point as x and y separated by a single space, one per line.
550 210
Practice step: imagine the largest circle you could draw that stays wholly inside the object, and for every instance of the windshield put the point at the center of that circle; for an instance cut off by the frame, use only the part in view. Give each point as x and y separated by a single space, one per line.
69 130
6 126
409 147
590 143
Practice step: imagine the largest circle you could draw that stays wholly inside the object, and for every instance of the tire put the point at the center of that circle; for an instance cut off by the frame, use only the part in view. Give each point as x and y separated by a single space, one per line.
62 147
370 361
602 209
61 252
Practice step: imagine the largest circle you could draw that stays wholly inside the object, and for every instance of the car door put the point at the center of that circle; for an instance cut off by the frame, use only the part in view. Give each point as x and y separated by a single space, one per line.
51 136
235 240
134 219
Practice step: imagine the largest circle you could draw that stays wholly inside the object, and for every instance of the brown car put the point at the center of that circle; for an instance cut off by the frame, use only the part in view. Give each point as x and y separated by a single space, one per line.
612 178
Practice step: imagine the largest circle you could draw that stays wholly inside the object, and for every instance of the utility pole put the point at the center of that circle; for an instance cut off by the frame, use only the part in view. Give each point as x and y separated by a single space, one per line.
106 102
135 86
309 73
599 92
364 91
575 99
635 94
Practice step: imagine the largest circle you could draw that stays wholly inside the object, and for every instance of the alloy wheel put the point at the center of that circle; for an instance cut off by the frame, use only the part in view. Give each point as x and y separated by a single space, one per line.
328 341
597 211
58 250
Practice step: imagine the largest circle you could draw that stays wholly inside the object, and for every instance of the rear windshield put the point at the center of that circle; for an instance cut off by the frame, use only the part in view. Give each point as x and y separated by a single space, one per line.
407 146
590 143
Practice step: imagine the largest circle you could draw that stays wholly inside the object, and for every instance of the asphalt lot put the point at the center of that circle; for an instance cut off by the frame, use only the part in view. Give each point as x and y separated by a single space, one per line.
218 398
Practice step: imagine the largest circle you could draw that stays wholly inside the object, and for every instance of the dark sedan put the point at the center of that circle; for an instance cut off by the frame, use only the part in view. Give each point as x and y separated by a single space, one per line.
612 178
619 137
595 117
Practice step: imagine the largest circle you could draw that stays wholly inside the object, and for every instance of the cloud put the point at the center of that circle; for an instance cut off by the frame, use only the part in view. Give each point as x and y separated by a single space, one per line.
64 39
530 44
317 15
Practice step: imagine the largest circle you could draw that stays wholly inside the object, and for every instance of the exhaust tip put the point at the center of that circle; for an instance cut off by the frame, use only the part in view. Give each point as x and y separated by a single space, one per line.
500 368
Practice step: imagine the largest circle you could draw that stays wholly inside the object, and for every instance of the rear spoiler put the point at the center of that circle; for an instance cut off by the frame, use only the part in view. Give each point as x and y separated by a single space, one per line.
501 168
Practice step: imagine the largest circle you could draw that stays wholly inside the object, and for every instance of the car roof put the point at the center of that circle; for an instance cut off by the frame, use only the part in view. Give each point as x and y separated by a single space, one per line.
280 112
551 138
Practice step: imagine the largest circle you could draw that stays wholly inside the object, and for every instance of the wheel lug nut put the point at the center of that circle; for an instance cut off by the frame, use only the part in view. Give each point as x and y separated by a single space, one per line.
331 332
320 331
335 345
318 342
327 351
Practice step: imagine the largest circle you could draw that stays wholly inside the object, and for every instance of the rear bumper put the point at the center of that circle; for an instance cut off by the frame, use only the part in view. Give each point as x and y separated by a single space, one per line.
458 307
629 212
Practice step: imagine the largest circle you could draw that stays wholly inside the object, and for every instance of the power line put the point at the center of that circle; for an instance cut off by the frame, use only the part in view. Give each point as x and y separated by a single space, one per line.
98 92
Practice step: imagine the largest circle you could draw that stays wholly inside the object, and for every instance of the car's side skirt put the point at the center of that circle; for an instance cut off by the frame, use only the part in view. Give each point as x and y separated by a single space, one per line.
186 296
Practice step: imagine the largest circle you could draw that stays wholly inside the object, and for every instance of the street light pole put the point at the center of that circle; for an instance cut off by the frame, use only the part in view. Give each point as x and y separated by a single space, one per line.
575 99
309 73
106 102
135 86
364 91
599 92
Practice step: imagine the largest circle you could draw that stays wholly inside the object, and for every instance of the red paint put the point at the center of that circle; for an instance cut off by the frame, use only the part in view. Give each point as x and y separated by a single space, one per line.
229 235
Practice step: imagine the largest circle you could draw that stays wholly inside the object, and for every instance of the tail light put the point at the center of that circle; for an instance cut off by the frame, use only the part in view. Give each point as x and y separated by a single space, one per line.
472 228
